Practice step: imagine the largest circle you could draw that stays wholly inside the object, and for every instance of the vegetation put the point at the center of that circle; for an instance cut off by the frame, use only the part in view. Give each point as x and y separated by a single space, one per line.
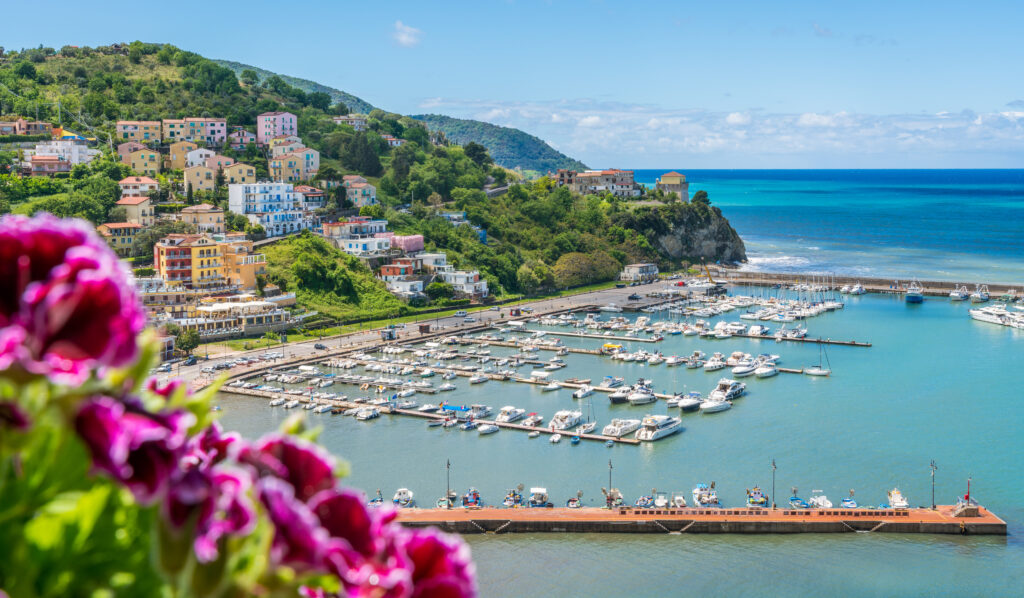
509 147
186 341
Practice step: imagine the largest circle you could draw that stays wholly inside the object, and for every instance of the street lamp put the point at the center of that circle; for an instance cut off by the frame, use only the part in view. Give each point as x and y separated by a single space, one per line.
933 467
448 484
773 484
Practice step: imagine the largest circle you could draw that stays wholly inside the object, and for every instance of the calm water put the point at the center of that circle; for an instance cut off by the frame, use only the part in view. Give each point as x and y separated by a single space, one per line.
961 225
935 385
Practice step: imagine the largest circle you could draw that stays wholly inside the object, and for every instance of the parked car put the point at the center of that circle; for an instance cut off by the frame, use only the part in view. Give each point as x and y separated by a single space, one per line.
495 308
208 370
320 347
469 320
461 313
192 360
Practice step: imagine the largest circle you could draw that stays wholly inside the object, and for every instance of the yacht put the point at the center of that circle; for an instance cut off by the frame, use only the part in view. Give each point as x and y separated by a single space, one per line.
447 386
745 369
819 501
620 427
565 419
510 414
715 405
533 420
897 500
715 363
674 361
367 413
583 391
277 402
479 411
612 382
428 408
619 396
487 429
689 402
766 370
478 379
857 289
915 294
727 390
960 293
403 498
705 496
655 427
641 395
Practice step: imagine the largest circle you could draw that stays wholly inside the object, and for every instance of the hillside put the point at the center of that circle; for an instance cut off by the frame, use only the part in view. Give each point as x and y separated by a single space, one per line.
354 103
509 147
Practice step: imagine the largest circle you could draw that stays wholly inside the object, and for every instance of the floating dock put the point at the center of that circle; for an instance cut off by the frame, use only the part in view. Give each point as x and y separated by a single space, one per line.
942 520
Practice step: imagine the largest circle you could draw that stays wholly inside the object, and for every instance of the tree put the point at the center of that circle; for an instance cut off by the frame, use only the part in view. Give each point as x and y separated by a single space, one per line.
249 77
187 341
477 153
148 237
118 214
319 100
435 200
578 269
701 197
439 290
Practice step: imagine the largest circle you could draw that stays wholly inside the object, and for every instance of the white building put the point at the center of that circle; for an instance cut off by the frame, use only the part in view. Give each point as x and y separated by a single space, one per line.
274 206
406 287
433 262
69 151
639 272
365 245
466 282
197 157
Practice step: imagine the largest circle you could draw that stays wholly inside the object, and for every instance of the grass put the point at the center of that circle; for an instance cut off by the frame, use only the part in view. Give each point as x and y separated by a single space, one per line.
28 207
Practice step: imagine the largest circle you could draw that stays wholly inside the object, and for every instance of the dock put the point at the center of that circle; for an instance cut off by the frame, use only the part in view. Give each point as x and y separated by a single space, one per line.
942 520
632 339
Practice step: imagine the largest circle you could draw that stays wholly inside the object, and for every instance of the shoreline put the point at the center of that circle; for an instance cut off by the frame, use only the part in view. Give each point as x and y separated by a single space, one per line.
876 284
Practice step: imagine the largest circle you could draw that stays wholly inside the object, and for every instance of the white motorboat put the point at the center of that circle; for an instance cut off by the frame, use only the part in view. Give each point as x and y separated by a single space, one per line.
479 411
766 370
447 386
555 439
533 420
408 392
819 501
326 383
897 500
619 396
322 408
746 369
550 386
292 404
583 392
611 307
612 381
428 408
367 413
715 406
727 389
641 396
857 289
655 360
566 419
403 498
485 429
478 379
277 402
406 405
689 402
714 364
509 414
449 376
674 361
655 427
533 434
620 427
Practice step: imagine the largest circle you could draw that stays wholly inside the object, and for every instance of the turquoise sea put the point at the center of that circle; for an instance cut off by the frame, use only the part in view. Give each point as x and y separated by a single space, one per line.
935 385
959 225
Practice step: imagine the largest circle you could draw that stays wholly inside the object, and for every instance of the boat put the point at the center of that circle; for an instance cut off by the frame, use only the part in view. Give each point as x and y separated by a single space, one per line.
403 498
756 498
367 413
479 411
656 427
533 434
539 498
583 391
612 382
641 396
533 420
620 427
566 419
435 423
586 427
960 293
848 502
487 429
619 397
428 408
689 402
727 389
858 289
324 408
715 363
674 360
513 498
575 502
796 502
611 307
644 502
897 500
376 501
406 405
715 405
819 370
309 406
447 502
661 500
677 500
292 404
447 386
509 414
819 501
551 386
449 376
980 294
277 402
472 499
766 370
705 496
468 425
555 439
915 294
427 373
746 369
478 379
574 440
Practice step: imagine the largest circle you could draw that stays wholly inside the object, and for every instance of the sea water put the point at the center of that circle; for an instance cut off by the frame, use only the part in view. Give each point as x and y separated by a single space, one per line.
957 225
934 385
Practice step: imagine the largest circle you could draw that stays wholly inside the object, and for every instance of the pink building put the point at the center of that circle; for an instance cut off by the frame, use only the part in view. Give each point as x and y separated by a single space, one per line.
272 124
218 162
407 243
240 138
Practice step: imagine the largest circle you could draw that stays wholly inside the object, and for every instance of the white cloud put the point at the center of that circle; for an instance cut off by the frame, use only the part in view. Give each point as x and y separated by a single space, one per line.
405 35
635 135
738 118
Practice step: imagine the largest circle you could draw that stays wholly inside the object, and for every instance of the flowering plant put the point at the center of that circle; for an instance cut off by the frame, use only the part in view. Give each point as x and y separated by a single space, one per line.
114 484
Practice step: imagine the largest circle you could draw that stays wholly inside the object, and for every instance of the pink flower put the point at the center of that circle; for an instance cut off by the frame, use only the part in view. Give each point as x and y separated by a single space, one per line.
441 565
210 446
167 390
139 449
68 306
218 500
299 540
307 467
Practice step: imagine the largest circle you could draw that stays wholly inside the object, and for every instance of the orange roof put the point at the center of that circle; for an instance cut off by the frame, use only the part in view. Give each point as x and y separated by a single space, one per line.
121 225
203 207
139 180
132 200
673 173
46 159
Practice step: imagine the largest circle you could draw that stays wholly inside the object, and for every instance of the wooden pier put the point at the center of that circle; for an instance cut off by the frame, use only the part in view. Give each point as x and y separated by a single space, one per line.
942 520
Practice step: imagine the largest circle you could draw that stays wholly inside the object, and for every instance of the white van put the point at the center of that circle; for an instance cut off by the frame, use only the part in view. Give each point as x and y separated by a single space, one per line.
461 313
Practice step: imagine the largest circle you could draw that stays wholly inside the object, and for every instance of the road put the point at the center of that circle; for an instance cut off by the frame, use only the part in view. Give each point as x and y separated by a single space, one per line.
410 332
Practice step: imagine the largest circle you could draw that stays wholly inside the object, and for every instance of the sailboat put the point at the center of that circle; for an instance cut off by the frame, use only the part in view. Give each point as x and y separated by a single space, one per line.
819 370
588 426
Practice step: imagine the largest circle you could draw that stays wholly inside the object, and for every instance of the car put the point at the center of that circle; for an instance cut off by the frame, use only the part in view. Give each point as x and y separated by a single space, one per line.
208 370
469 320
192 360
164 368
461 313
495 308
320 347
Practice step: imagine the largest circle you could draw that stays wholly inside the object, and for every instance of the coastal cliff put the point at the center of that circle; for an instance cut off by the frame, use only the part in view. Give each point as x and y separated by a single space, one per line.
688 231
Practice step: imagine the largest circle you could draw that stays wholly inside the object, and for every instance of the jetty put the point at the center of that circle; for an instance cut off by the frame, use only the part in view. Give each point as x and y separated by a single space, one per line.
934 288
945 519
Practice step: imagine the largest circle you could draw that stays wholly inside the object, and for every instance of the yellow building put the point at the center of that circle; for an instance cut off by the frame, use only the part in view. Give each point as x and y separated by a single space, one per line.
145 161
240 174
204 261
286 169
205 217
673 182
200 178
120 236
179 153
241 265
143 131
138 209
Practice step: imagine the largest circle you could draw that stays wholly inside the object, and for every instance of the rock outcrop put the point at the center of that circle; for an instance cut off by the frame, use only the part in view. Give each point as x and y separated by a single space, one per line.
701 233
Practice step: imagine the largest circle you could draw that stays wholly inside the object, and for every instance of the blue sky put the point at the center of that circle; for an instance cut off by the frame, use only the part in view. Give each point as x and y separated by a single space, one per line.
637 84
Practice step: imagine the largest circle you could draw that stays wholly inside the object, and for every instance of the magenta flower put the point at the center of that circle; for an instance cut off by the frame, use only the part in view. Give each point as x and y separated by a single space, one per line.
167 390
304 465
218 501
210 446
299 540
69 305
139 449
441 565
12 417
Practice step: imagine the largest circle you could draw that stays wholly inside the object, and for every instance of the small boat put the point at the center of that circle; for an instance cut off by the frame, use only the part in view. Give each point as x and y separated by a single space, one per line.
309 406
539 498
509 414
574 440
566 419
450 423
727 389
587 427
376 501
848 502
324 408
858 289
487 429
277 402
468 425
620 427
403 498
428 408
705 496
435 423
796 502
575 502
820 370
915 294
449 376
641 396
819 501
619 397
583 391
766 370
472 499
689 402
292 404
555 439
960 293
656 427
746 369
447 502
674 361
533 420
609 443
478 379
513 498
427 373
678 500
715 406
714 364
533 434
644 502
406 405
447 386
897 500
551 386
367 413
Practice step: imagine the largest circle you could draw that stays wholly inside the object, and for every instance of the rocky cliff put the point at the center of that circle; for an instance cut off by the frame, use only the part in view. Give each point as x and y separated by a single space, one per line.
697 234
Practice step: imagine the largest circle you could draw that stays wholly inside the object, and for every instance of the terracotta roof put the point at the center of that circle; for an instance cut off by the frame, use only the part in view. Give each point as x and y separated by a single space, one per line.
132 200
359 185
203 207
673 173
307 189
46 159
274 113
141 180
121 225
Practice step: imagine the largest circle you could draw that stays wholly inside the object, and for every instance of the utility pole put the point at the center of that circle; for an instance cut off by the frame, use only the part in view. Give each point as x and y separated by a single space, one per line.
933 467
773 484
448 484
609 476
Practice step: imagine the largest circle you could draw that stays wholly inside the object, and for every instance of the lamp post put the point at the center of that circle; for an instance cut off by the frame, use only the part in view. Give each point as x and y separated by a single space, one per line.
933 467
773 484
609 476
448 484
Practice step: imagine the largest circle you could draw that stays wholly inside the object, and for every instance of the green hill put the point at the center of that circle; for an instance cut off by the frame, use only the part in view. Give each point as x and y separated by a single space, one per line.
354 103
509 147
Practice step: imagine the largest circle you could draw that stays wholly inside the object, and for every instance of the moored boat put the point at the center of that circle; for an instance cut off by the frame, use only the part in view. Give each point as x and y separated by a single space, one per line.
620 427
706 496
656 427
756 497
403 498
